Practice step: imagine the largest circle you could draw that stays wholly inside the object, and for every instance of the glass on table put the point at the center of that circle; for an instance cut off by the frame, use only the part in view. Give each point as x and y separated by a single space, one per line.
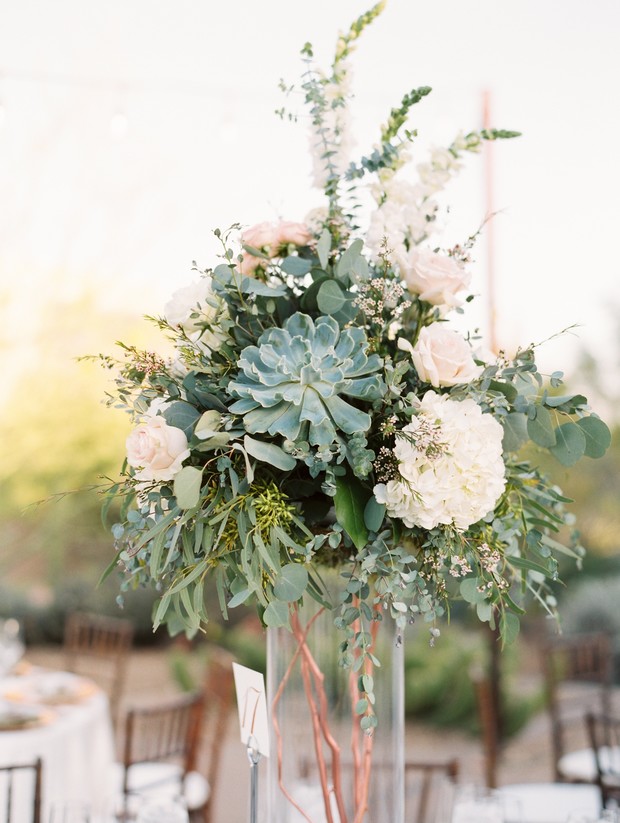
474 804
12 645
609 816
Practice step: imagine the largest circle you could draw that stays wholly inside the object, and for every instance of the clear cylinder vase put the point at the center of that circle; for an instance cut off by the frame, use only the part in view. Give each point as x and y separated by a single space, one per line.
323 768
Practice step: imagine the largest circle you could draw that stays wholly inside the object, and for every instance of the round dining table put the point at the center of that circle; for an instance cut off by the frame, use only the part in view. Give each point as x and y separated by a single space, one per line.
551 802
64 720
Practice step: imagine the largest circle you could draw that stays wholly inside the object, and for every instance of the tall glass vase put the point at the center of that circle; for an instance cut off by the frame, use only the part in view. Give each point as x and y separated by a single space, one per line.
323 768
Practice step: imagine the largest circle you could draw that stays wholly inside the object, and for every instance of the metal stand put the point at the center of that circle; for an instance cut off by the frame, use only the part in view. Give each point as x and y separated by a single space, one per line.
253 757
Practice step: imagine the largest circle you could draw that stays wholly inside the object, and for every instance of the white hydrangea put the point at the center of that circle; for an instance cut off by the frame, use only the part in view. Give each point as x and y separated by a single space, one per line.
450 466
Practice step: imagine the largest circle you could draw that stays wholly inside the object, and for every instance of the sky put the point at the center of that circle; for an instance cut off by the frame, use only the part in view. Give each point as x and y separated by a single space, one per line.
130 129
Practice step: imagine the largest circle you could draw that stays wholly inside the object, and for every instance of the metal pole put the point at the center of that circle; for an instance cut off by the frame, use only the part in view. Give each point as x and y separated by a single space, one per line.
489 229
253 757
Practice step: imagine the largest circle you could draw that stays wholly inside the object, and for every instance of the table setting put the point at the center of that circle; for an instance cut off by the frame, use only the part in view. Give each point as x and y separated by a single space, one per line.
64 720
523 803
139 809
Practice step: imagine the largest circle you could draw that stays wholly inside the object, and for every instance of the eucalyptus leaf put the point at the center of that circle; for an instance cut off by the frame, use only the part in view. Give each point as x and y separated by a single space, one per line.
276 615
484 611
515 431
529 565
526 386
250 285
562 400
297 266
198 390
330 297
239 598
509 627
291 583
540 428
208 425
469 591
570 444
187 484
269 453
182 416
346 314
323 248
374 514
598 436
308 300
507 389
348 259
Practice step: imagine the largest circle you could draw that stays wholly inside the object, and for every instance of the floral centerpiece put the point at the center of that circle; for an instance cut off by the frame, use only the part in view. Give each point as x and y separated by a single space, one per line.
322 412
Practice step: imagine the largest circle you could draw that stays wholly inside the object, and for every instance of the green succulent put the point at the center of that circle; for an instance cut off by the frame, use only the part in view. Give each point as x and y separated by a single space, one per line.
292 382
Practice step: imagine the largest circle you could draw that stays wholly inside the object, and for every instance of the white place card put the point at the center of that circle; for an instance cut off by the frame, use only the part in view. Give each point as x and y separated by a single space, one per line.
252 708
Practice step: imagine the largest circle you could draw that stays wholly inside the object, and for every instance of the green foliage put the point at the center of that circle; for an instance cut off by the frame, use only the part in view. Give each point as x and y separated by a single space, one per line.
439 682
299 388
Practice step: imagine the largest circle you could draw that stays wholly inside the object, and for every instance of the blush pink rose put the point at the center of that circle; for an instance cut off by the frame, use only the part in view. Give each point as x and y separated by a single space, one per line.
436 278
295 233
263 236
271 238
157 450
441 357
249 264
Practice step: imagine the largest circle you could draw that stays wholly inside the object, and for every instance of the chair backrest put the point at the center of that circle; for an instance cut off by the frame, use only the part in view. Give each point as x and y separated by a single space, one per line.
577 673
424 781
99 647
219 693
604 736
489 727
165 732
14 781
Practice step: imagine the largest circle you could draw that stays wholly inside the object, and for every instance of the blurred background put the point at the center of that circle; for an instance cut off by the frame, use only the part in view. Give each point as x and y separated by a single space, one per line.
129 130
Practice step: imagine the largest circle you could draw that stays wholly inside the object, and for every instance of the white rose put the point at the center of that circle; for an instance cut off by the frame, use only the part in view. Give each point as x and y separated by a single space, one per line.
435 278
197 309
441 357
157 450
196 299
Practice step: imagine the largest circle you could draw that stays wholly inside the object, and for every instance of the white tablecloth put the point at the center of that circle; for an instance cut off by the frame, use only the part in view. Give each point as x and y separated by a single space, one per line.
76 744
553 802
